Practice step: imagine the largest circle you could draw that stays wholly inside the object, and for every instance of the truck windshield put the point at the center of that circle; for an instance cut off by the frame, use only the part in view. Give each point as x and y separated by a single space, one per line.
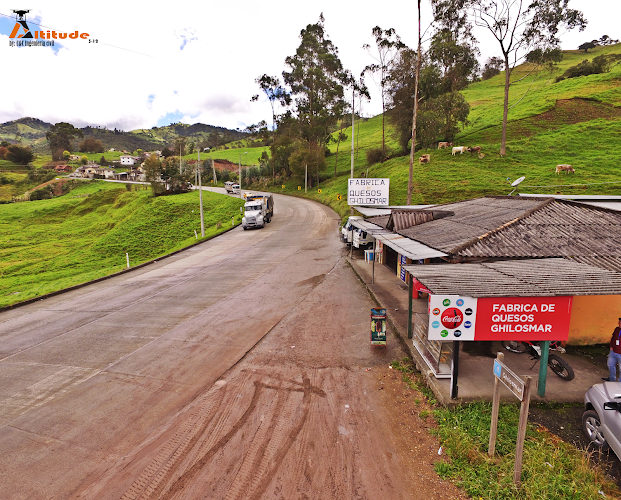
253 208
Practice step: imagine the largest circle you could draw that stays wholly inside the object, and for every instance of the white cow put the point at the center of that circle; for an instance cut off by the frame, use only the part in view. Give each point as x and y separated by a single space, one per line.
460 149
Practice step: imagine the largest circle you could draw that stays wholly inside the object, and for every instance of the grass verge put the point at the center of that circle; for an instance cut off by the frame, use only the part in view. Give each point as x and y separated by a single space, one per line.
551 468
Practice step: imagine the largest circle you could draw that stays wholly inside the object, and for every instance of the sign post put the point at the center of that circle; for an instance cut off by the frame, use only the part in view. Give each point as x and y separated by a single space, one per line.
521 389
378 326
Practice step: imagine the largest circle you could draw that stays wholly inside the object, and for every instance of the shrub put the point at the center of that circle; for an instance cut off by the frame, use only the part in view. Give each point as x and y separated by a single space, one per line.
376 155
44 193
599 64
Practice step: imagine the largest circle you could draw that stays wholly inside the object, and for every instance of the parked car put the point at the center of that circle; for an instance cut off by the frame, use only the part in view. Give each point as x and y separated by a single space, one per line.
601 420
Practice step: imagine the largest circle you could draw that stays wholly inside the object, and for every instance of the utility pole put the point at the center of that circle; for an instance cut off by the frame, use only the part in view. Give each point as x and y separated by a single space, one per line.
415 112
240 178
200 194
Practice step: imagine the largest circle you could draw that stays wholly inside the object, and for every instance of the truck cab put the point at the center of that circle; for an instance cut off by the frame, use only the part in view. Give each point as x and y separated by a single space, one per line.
258 210
352 235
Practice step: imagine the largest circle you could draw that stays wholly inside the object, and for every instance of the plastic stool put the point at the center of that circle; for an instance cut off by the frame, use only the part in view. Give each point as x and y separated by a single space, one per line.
368 255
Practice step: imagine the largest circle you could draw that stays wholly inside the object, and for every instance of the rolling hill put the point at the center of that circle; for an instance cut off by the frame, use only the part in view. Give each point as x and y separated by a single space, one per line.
31 131
575 121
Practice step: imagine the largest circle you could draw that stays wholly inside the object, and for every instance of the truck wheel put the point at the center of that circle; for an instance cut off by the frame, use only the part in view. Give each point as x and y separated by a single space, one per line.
245 228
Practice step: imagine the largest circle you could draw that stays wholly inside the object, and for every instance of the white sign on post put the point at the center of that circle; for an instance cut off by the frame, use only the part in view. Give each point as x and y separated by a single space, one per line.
374 192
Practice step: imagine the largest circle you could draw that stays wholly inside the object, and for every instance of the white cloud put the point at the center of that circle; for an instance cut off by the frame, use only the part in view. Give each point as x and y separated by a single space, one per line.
196 60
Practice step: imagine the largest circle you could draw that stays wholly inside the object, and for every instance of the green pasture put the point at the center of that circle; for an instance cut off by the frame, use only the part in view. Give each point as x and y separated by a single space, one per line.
49 245
233 155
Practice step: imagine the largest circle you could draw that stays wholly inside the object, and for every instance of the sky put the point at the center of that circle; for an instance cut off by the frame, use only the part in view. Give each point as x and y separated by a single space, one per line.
146 64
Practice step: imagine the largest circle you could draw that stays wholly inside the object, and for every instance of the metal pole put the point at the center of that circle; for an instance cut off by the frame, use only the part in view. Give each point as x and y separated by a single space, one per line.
353 114
240 194
543 367
455 370
200 194
373 265
495 406
517 471
410 293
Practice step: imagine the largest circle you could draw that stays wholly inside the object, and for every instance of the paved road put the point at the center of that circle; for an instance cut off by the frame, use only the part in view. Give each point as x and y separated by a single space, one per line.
236 367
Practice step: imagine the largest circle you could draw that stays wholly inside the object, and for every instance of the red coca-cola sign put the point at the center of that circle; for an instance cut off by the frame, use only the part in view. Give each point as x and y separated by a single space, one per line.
451 317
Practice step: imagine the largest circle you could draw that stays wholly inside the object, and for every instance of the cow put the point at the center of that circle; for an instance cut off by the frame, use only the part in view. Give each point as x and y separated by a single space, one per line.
424 159
475 149
460 149
444 145
564 168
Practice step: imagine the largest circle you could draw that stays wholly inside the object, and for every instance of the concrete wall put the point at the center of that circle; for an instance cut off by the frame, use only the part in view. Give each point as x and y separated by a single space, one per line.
593 318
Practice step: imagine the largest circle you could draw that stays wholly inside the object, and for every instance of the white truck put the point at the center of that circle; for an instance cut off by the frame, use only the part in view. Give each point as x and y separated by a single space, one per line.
352 235
258 210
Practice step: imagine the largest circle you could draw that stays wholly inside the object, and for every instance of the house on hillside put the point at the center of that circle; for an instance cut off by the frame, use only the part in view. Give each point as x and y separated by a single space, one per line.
75 157
63 168
127 160
505 246
105 172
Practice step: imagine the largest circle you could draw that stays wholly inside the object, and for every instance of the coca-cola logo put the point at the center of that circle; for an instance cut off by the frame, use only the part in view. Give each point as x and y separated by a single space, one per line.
452 317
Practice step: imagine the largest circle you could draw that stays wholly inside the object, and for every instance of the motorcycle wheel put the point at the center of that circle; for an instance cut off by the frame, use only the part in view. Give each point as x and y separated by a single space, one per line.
514 346
560 367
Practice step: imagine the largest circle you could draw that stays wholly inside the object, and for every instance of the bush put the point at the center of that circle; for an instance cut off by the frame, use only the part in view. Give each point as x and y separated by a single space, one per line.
376 155
42 194
599 64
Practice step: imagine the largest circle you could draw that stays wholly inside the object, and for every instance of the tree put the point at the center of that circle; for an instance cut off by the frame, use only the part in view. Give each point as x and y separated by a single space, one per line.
84 160
191 148
492 68
60 137
66 155
586 46
166 152
388 45
3 152
316 79
456 58
153 173
275 93
401 92
519 26
20 155
341 136
91 145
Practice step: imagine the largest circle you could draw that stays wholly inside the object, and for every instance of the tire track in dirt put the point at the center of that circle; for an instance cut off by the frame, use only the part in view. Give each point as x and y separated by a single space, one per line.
211 426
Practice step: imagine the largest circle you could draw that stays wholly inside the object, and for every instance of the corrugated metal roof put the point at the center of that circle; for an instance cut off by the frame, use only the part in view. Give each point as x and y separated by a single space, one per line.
471 220
410 248
559 229
372 211
517 278
610 263
366 225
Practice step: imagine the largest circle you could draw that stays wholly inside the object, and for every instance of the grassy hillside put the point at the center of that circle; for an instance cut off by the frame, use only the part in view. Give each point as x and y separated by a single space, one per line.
575 121
52 244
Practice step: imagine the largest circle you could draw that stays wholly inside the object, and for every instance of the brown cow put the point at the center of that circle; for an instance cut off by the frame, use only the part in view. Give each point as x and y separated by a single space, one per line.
564 168
442 145
424 159
475 149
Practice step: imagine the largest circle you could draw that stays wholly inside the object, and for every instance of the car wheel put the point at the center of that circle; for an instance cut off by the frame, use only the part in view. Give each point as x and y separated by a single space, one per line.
592 428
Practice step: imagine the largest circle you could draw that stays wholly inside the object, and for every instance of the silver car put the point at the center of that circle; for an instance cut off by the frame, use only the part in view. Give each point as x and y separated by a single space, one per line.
601 420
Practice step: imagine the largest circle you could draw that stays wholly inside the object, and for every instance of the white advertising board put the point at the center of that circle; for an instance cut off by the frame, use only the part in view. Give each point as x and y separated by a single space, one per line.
370 192
452 317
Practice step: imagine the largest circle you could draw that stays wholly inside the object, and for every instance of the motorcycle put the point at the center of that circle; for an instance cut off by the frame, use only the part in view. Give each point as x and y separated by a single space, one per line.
557 364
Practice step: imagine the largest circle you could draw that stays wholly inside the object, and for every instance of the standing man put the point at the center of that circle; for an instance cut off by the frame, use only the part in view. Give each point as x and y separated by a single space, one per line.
614 356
